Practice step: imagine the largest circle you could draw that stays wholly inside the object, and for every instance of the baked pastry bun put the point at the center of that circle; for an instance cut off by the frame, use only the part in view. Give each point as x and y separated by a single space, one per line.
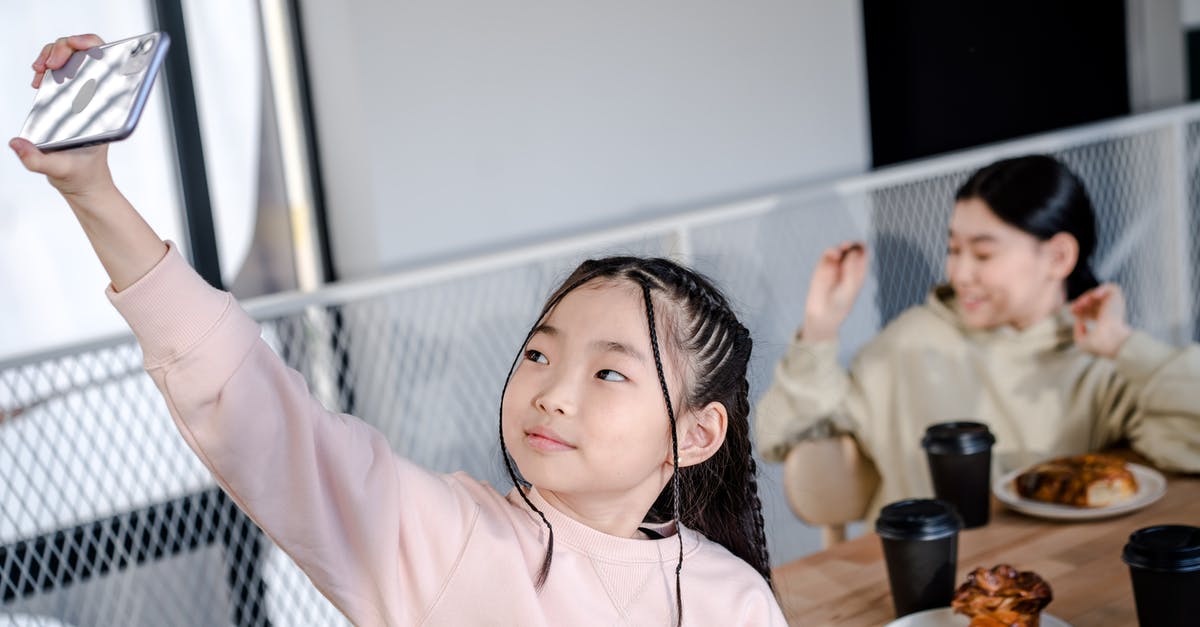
1088 480
1002 597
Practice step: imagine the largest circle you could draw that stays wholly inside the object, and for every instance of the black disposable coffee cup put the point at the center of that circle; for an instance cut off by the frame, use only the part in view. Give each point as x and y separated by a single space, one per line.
960 465
1164 564
920 547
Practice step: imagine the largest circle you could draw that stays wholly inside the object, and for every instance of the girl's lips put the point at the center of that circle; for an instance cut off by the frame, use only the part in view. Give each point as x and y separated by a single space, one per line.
543 439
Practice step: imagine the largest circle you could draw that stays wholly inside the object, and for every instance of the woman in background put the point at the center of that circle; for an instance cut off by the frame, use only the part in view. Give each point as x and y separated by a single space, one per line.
1022 337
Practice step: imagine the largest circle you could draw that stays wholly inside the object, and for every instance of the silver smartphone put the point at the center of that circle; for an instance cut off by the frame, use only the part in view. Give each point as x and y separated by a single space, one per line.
97 96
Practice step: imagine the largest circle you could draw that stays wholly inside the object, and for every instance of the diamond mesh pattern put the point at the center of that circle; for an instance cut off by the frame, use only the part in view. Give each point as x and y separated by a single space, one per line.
1191 221
107 518
909 223
1130 182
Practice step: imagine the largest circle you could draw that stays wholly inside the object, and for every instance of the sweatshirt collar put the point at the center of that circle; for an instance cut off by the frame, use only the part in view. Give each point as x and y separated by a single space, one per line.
597 544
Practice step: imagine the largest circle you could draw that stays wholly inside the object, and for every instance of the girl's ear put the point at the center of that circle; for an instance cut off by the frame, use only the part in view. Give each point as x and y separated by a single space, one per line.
1062 252
701 434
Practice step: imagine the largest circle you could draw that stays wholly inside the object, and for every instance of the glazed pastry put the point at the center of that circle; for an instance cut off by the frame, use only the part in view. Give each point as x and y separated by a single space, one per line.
1002 597
1088 480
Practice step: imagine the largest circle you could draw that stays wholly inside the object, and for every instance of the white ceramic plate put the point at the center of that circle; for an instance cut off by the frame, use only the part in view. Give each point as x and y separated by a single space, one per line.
945 617
1151 486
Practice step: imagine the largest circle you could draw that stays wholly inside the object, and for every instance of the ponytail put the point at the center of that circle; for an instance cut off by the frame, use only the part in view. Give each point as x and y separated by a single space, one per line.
1080 280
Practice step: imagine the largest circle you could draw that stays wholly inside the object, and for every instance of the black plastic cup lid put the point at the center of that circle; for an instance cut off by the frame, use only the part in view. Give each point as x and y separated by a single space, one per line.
1166 548
957 438
918 519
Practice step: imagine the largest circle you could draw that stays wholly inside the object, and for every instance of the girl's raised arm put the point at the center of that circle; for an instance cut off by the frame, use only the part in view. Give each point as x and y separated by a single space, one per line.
375 533
126 245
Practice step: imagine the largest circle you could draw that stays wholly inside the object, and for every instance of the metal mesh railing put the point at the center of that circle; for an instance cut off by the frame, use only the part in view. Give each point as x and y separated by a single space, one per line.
108 519
1190 172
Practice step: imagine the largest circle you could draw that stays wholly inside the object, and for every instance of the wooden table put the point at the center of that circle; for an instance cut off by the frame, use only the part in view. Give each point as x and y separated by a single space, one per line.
847 584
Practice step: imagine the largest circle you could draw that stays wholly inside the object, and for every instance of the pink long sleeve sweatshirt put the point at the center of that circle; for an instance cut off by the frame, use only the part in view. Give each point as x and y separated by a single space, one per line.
386 541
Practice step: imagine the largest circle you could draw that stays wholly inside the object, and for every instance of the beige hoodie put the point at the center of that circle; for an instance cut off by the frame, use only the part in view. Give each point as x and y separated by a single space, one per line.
1040 395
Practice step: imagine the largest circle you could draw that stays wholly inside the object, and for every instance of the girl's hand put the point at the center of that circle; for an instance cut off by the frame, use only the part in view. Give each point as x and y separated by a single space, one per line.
125 244
835 284
1100 326
77 172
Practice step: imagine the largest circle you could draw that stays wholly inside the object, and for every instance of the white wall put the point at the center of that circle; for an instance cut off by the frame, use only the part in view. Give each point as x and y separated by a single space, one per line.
1189 13
453 127
1156 55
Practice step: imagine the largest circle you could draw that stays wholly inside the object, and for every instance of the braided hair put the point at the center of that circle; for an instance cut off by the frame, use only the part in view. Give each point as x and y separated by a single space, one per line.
719 497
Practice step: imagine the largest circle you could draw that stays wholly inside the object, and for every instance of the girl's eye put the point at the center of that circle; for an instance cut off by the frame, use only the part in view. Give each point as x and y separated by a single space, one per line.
535 356
952 251
610 375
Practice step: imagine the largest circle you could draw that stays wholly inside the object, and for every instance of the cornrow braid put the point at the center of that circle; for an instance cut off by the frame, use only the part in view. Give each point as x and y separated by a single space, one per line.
718 350
662 381
757 525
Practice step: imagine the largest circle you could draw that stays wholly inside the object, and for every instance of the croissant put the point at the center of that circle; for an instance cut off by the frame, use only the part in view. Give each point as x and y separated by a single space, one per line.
1002 597
1088 480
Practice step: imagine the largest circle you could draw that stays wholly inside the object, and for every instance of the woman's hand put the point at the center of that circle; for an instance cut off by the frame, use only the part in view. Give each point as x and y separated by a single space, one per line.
835 284
74 173
1100 326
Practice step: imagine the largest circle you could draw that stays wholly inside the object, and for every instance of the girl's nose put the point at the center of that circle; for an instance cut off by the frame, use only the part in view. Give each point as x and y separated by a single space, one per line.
555 398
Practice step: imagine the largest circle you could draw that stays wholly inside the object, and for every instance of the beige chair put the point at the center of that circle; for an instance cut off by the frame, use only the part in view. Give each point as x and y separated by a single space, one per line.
829 482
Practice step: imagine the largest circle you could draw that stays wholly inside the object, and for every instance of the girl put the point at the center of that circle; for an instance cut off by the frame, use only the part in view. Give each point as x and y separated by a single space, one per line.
626 414
1021 337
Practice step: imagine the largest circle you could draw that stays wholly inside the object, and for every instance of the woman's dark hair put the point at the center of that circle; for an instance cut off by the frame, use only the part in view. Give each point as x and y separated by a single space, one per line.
718 497
1042 197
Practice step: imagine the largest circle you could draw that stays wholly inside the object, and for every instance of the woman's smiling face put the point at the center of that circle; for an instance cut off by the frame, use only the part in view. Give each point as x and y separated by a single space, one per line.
1001 275
584 413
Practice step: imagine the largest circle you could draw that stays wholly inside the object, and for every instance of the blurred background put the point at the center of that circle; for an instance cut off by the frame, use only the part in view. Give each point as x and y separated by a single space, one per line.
394 187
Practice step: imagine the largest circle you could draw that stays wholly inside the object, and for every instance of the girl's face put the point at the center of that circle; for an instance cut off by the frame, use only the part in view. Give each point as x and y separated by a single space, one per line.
1001 275
584 414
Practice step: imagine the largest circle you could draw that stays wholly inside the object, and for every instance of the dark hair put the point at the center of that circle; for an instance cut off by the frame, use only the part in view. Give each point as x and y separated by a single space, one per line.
719 497
1042 197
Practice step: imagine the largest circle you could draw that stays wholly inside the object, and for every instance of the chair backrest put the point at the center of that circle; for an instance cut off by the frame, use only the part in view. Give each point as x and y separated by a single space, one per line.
829 483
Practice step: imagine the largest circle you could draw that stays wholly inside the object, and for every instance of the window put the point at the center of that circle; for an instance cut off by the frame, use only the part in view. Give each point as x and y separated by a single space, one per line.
52 284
